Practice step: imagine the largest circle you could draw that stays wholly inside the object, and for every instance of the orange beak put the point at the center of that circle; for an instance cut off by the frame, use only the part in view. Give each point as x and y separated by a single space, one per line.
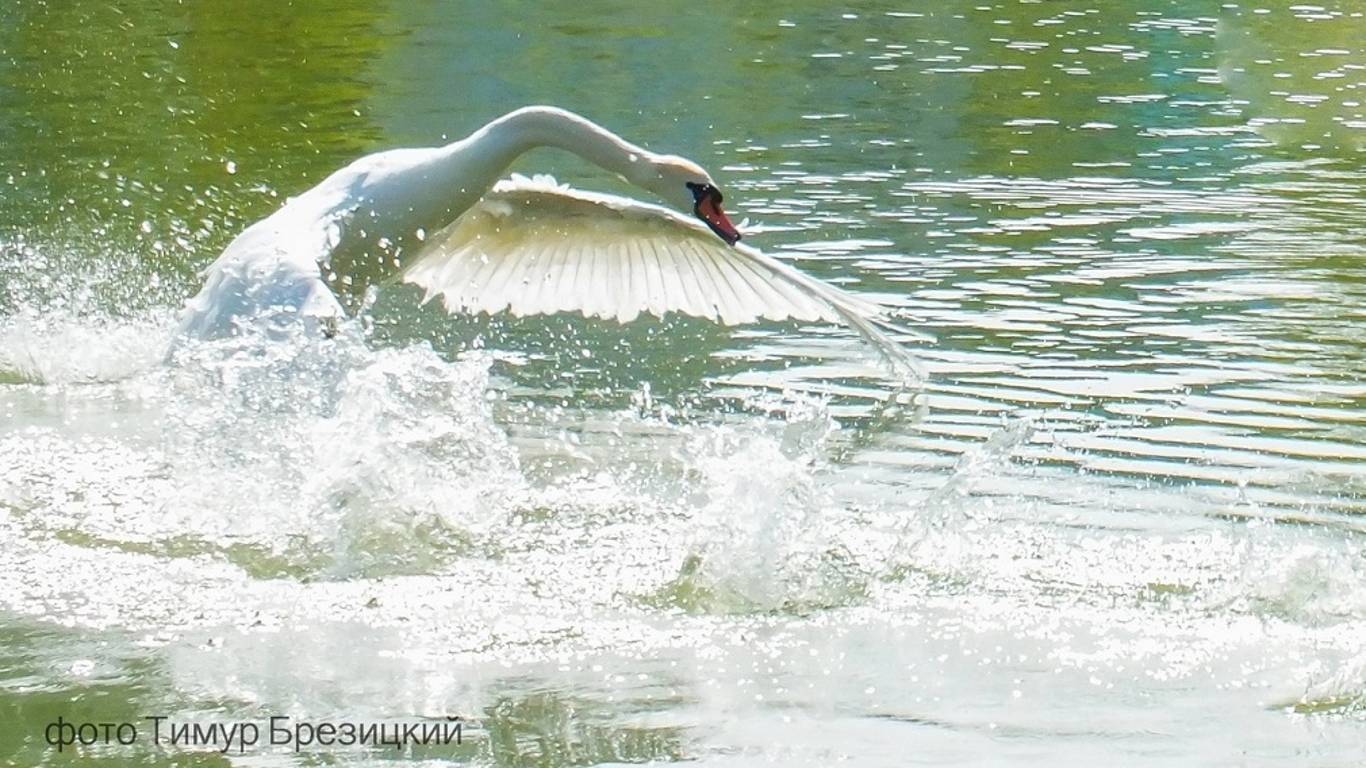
707 206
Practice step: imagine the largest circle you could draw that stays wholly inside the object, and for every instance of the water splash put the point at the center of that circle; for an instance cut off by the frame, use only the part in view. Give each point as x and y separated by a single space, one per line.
304 458
762 528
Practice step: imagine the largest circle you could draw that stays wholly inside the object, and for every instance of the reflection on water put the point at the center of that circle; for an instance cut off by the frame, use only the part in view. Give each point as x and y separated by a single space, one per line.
1122 521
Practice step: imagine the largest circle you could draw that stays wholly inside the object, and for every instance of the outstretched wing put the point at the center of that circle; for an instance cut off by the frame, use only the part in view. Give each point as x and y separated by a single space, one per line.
530 247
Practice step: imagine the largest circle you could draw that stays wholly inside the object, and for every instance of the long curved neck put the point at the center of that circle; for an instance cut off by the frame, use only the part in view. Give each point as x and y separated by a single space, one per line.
442 183
478 161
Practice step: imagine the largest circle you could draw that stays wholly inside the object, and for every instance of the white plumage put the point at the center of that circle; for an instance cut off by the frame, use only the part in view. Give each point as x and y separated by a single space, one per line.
534 247
435 218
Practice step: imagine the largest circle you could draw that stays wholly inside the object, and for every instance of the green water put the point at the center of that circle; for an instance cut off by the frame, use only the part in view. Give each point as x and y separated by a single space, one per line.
1125 527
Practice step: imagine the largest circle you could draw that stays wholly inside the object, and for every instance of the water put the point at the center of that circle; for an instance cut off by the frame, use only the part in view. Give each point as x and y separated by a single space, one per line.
1121 524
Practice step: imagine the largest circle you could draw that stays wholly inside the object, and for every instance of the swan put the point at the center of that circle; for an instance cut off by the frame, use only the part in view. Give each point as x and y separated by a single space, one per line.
441 219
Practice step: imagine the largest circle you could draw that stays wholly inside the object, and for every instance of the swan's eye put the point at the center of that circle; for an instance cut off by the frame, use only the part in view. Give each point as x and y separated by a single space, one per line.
702 192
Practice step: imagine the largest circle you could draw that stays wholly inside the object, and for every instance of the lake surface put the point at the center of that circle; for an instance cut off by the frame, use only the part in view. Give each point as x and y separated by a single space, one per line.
1121 522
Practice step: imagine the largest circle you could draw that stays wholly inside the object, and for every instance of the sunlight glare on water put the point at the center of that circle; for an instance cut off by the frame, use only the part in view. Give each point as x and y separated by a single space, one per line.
1120 523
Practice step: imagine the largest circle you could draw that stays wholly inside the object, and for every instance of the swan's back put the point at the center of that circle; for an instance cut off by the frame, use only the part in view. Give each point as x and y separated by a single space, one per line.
273 270
269 272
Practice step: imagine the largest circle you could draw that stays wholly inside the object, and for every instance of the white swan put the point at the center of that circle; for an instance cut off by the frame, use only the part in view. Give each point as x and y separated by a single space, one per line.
435 217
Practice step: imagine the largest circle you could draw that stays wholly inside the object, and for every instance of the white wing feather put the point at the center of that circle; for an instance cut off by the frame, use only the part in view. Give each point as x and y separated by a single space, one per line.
533 247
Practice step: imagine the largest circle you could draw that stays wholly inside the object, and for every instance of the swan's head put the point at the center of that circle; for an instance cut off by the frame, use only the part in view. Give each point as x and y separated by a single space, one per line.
687 187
